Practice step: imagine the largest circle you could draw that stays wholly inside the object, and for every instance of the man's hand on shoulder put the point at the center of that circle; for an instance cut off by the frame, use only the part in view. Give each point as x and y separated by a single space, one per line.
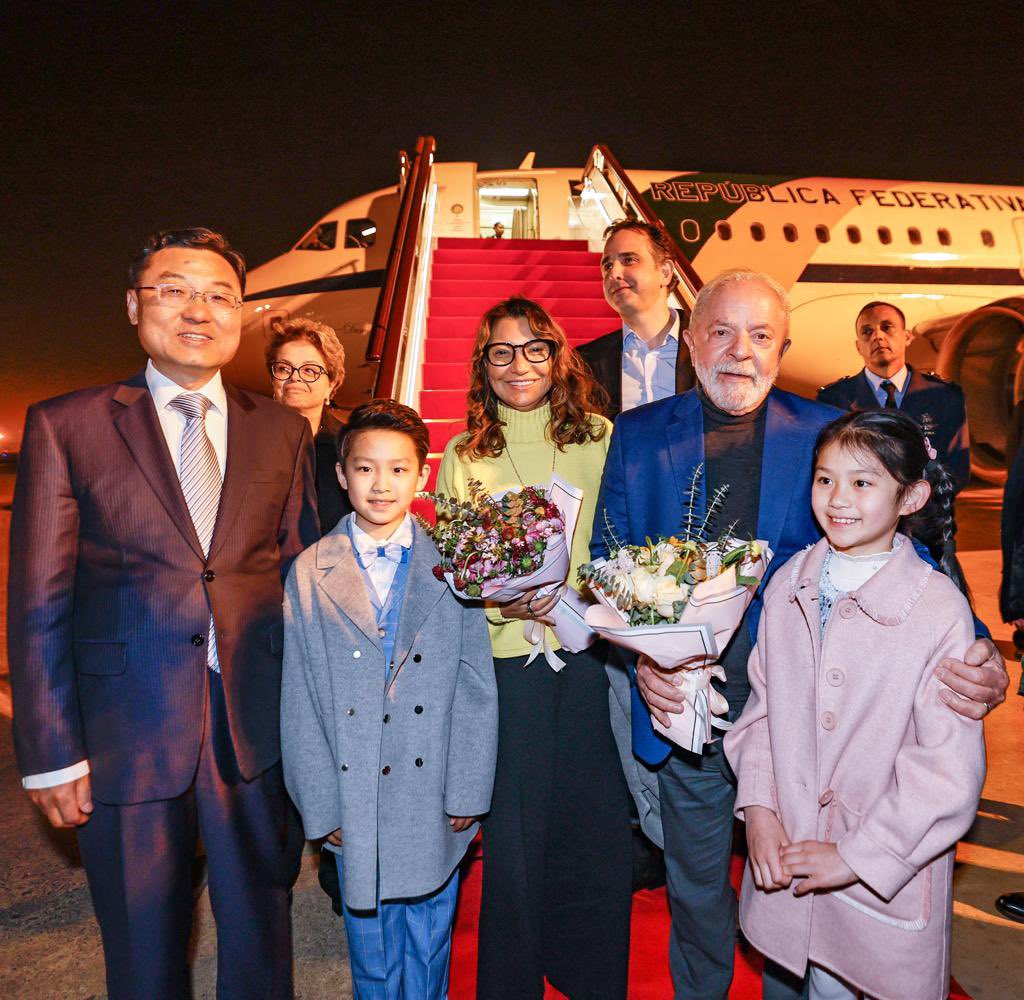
66 805
978 681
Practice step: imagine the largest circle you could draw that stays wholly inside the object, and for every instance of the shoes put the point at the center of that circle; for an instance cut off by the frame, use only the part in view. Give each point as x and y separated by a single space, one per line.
1012 905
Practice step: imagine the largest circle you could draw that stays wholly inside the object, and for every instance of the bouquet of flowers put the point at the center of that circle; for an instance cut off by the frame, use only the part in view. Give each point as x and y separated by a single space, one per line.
678 601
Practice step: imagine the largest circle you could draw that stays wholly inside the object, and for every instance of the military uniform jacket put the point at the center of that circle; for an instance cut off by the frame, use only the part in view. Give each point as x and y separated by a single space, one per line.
386 755
935 403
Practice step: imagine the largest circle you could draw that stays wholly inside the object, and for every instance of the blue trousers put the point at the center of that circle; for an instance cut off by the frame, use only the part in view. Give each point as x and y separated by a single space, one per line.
401 950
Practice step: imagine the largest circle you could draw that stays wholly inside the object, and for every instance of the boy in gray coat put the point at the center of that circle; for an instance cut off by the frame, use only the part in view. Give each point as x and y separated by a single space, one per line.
388 712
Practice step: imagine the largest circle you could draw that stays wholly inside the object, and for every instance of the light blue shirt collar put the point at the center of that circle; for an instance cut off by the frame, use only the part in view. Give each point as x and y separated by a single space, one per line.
900 380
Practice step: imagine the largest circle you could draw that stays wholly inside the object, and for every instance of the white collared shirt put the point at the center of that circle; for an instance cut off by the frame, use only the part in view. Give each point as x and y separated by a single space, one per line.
381 571
899 380
172 423
648 373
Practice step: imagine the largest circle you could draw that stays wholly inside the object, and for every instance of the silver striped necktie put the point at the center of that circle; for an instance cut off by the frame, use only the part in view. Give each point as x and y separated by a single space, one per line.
199 475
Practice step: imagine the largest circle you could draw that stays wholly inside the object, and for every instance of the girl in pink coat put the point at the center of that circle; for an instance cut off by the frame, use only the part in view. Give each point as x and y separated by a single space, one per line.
854 779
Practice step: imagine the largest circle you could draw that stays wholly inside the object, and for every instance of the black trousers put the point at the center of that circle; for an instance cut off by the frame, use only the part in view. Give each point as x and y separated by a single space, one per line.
557 843
138 863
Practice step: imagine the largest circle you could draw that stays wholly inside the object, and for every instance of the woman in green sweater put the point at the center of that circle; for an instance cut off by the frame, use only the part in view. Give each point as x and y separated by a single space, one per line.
557 843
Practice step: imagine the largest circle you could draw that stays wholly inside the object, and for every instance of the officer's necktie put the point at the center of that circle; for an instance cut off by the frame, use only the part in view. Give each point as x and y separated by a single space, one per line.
890 394
199 475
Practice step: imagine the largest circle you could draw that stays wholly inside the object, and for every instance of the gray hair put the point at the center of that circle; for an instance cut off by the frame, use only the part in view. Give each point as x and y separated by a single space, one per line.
735 276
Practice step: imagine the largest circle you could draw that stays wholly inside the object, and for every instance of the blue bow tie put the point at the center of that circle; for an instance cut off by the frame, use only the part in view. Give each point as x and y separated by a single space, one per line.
392 551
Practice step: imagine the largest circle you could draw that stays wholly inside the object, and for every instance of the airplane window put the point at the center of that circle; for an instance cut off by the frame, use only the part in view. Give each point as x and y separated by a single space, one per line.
789 231
360 234
757 231
884 235
822 233
944 237
724 230
987 239
853 234
322 237
914 235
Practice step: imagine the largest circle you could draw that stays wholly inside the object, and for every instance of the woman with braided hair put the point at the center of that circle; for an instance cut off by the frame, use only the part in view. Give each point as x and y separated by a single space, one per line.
855 781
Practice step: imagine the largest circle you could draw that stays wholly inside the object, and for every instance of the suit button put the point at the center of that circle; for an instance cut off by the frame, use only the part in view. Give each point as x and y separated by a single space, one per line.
419 762
351 711
387 718
847 609
381 632
416 658
835 677
826 797
828 721
344 767
197 639
209 576
386 769
356 654
418 709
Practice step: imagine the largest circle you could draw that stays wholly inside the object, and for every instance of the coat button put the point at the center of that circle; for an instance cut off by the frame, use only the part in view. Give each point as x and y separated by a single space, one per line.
209 576
416 657
381 632
386 769
826 797
387 718
356 654
419 762
847 609
418 709
835 677
344 767
350 711
197 639
828 720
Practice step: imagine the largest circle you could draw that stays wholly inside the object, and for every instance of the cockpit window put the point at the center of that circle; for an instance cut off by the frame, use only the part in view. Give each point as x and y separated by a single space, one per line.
321 237
360 234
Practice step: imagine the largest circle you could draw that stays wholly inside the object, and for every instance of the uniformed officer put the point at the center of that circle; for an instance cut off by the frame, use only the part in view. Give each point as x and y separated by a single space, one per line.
887 381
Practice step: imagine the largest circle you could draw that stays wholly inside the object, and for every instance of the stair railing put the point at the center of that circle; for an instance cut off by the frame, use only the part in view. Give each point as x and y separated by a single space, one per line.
395 308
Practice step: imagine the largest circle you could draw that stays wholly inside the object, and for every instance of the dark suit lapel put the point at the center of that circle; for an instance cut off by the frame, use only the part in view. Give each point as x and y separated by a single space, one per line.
137 423
686 377
865 398
786 454
422 592
243 452
609 371
685 433
344 583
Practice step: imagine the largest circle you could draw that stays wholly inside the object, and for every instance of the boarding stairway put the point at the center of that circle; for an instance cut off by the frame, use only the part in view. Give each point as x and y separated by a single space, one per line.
468 277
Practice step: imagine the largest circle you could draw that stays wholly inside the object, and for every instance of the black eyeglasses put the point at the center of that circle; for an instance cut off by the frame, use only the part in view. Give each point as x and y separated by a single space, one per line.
501 354
283 371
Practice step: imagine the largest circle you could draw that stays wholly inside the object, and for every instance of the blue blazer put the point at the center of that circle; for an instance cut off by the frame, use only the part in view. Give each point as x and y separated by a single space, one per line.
651 458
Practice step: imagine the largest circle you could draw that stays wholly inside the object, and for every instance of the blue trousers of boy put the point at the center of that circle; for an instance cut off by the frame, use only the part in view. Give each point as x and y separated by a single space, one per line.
401 950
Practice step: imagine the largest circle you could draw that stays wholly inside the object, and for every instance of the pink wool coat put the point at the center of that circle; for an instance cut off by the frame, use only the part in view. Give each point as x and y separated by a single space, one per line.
846 738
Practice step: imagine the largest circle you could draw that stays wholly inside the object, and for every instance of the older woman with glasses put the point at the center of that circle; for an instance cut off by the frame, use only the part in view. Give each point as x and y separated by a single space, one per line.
307 366
557 842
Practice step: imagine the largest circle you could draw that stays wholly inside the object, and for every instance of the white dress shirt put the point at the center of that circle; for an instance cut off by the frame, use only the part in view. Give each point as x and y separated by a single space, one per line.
172 423
381 571
899 380
649 373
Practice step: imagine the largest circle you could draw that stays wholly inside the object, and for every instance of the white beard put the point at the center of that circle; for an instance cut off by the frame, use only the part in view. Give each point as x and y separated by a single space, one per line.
735 397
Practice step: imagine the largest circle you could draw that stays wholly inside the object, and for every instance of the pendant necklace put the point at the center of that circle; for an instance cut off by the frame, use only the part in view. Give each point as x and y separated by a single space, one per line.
508 451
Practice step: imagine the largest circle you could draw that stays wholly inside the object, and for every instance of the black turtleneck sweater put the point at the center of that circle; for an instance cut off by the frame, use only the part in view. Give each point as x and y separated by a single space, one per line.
733 449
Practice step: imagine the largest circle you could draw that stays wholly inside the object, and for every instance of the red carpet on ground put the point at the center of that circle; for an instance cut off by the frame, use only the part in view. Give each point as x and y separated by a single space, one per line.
648 954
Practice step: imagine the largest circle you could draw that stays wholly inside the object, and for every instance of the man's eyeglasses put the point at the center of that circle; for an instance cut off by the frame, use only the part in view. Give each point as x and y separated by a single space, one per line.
501 354
283 371
168 294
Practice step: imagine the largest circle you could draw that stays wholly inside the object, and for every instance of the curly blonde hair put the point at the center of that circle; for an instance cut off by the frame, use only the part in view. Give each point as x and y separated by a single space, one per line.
574 396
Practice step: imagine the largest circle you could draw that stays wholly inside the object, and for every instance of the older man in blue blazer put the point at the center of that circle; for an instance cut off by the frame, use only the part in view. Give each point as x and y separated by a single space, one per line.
759 441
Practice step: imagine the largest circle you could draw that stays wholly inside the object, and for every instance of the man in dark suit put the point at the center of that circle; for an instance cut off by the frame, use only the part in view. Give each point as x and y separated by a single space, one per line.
646 359
152 521
886 380
758 440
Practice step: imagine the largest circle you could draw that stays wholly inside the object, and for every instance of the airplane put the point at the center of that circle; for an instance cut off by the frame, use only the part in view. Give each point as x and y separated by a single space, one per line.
951 256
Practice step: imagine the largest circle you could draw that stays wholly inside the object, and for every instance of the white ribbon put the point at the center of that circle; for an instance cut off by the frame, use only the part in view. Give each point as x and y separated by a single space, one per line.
536 634
701 709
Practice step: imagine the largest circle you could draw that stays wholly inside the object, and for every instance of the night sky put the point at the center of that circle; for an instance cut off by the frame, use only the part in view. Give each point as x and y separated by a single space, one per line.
255 119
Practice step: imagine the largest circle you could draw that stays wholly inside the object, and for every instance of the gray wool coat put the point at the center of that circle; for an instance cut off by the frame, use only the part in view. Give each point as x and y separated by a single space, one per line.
385 755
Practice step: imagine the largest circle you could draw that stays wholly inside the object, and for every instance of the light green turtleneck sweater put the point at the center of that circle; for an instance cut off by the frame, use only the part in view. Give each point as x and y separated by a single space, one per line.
528 447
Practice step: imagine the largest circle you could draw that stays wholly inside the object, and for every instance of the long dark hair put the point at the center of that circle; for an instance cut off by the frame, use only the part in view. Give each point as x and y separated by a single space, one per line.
900 445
